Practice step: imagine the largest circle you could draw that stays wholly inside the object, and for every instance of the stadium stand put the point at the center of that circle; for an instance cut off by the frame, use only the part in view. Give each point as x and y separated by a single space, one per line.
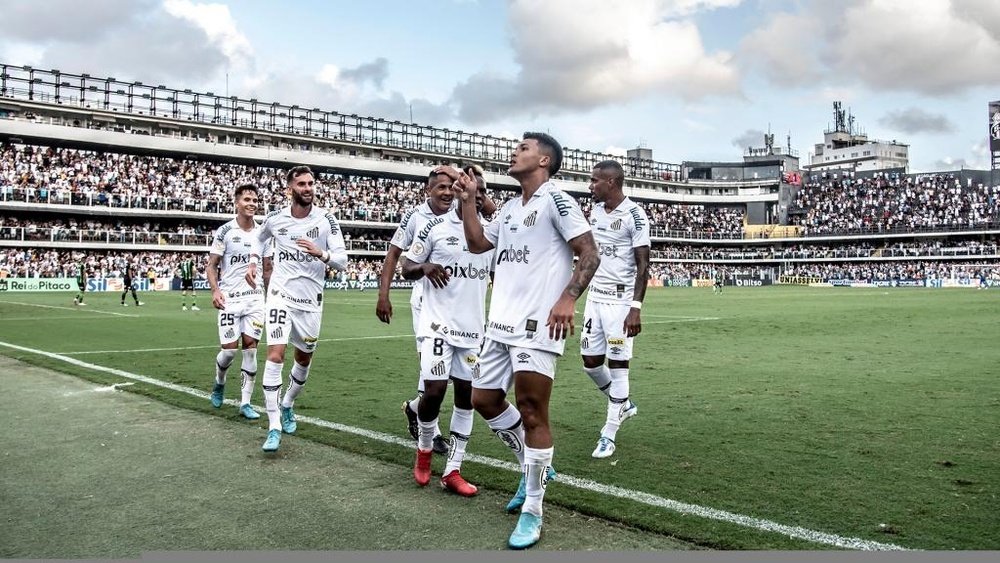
102 176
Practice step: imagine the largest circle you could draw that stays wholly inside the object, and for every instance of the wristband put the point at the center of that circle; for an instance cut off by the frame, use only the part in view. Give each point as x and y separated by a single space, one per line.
637 304
325 257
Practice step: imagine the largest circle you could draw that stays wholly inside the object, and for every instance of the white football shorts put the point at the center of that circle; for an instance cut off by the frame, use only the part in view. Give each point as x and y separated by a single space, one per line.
286 325
241 317
499 361
440 360
603 331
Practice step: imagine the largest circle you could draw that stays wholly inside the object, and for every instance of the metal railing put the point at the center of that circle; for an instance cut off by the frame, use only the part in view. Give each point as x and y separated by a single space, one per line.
828 254
135 98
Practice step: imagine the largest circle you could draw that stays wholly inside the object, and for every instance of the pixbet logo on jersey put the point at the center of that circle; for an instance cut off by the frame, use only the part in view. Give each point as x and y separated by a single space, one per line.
239 259
297 256
470 272
514 255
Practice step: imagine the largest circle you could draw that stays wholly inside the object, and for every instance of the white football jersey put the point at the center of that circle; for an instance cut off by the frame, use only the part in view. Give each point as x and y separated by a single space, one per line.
409 226
456 312
299 278
534 262
235 246
617 233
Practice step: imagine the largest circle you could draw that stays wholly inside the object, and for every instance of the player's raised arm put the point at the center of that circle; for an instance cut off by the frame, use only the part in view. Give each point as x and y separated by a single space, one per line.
475 236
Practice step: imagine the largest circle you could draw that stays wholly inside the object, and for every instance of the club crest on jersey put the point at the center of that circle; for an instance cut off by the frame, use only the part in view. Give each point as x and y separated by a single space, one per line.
529 221
617 225
313 232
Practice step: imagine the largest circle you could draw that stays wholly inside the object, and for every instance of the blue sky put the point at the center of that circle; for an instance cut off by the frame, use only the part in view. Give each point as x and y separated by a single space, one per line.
689 79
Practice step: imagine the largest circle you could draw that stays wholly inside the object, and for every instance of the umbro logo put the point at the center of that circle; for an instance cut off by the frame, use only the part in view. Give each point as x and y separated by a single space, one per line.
452 241
314 232
237 239
523 357
282 231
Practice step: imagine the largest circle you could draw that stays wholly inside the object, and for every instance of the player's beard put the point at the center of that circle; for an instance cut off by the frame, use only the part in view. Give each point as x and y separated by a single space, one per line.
302 200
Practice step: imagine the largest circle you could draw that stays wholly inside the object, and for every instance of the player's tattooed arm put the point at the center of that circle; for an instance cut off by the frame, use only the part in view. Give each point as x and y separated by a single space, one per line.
641 272
560 321
587 263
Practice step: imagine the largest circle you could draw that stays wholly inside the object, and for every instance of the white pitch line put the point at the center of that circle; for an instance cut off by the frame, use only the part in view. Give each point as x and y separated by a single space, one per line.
67 309
600 488
107 389
177 348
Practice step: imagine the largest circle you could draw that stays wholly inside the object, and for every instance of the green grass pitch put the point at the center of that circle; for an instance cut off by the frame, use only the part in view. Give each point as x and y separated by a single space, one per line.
864 413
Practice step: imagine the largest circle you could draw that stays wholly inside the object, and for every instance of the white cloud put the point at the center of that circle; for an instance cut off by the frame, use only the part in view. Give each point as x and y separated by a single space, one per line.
328 75
776 49
916 120
218 24
917 46
687 7
130 39
580 54
928 47
22 53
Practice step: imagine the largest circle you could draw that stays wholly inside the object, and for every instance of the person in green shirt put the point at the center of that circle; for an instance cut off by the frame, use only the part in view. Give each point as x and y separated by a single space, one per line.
81 283
187 282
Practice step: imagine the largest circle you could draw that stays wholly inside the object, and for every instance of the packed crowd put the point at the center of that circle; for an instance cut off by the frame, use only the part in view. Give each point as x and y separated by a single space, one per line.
887 203
42 263
990 246
74 177
884 271
45 263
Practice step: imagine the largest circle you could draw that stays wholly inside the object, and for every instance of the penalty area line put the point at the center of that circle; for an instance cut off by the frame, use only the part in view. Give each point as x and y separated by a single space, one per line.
586 484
